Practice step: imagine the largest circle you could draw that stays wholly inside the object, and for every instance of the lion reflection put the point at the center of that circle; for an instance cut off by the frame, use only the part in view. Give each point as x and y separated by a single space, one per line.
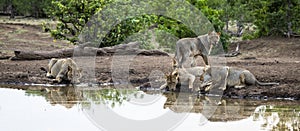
66 96
224 110
286 117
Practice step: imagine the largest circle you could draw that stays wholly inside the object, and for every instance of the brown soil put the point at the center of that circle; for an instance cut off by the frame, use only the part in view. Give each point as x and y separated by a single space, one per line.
269 59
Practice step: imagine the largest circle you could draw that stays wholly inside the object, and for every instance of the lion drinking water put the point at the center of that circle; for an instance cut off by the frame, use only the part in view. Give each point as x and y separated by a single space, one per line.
183 76
213 77
63 70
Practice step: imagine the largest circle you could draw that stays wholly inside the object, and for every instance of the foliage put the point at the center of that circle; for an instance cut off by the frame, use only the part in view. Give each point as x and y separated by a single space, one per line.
210 8
151 30
272 17
34 8
73 15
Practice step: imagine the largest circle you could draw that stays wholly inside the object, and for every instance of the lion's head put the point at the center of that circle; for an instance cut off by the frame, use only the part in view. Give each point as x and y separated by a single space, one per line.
74 74
214 38
172 80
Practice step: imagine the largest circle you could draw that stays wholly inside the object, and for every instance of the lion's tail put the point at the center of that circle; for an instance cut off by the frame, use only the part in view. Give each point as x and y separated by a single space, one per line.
266 84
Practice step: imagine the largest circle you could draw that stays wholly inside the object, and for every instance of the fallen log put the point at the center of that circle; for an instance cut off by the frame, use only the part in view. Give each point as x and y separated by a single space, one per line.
153 52
40 55
85 50
234 53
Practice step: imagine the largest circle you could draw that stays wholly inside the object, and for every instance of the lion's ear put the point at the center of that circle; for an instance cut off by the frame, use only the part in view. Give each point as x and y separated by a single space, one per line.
53 59
79 70
175 72
202 78
206 67
166 76
219 33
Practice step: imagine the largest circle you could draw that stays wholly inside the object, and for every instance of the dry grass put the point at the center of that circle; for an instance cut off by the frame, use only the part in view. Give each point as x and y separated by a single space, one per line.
27 21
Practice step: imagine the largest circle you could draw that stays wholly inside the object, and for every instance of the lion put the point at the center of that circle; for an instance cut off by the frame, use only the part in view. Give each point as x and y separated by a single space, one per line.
231 77
63 70
184 76
170 82
193 47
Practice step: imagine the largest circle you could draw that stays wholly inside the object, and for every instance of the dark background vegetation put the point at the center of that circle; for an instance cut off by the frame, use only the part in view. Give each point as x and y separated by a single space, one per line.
252 18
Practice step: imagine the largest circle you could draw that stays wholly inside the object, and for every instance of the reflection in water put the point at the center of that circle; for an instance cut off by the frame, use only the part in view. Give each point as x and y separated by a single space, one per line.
70 96
30 111
273 114
278 117
226 110
107 96
66 96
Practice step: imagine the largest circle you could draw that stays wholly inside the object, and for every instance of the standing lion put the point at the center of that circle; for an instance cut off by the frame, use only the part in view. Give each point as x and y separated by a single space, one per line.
193 47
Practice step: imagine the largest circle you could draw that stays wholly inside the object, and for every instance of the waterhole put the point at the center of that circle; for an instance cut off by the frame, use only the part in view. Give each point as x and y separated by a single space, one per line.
67 108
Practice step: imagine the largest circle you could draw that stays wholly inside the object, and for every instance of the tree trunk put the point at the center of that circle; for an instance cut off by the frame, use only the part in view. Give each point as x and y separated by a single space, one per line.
81 50
289 22
12 11
227 25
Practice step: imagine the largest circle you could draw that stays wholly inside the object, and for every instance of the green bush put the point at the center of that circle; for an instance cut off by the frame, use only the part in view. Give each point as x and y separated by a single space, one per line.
73 16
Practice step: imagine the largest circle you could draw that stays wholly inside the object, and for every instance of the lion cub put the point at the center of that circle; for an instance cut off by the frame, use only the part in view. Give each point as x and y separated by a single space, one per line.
63 70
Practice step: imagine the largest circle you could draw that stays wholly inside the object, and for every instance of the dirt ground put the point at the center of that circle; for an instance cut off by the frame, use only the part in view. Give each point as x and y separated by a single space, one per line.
269 59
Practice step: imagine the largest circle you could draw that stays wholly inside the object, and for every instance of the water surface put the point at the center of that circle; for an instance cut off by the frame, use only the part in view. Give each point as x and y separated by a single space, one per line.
68 108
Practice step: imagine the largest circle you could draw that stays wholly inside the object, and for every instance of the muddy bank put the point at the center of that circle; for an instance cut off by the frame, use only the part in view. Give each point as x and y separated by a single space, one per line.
269 59
142 67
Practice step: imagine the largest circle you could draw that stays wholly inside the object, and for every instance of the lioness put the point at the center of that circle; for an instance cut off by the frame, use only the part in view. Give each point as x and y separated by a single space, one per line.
192 47
170 81
63 69
233 77
183 75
